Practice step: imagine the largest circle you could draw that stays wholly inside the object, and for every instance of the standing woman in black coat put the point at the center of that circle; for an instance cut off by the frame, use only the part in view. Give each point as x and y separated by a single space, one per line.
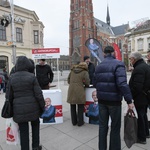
27 101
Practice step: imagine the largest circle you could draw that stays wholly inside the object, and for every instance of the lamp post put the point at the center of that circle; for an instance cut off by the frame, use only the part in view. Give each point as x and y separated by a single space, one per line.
13 33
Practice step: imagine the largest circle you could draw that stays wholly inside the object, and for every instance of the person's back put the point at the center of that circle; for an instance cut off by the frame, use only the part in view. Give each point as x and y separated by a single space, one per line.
25 93
78 79
111 84
27 101
44 74
109 74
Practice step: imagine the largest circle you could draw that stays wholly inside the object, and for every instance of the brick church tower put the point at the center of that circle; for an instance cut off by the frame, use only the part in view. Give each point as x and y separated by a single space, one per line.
81 28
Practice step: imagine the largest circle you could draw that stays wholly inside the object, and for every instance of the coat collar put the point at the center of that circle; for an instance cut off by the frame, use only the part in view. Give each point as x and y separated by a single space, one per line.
138 62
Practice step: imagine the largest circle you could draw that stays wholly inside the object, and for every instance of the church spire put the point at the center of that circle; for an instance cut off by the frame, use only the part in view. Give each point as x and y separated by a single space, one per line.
108 17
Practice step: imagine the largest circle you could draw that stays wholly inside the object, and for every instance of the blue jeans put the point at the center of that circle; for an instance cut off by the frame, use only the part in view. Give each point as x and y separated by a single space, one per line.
115 113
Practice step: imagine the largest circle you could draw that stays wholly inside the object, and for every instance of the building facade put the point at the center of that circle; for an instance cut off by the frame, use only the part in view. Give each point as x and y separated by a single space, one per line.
139 38
83 25
28 34
63 63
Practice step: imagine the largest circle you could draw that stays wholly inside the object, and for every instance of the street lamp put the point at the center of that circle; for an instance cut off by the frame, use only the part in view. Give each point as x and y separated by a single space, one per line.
12 33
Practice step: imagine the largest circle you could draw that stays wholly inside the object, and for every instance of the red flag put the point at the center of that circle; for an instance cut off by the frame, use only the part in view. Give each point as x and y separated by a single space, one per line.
117 51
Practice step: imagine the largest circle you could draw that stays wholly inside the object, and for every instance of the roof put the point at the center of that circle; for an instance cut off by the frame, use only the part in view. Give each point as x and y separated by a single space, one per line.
120 30
143 26
104 27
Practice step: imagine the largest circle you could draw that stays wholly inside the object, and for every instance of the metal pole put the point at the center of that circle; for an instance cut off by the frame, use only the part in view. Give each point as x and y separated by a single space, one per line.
12 33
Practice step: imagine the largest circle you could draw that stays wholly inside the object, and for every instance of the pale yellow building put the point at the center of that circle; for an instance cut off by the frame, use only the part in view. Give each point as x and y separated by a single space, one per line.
139 38
28 34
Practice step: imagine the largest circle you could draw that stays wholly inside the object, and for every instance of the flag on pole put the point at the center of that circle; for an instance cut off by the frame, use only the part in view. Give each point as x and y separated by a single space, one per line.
117 51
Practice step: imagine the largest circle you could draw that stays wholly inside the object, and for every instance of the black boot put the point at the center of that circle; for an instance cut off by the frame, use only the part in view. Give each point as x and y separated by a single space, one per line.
38 148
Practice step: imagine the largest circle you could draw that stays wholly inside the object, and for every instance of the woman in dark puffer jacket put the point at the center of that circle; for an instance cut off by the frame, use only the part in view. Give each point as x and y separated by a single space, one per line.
27 100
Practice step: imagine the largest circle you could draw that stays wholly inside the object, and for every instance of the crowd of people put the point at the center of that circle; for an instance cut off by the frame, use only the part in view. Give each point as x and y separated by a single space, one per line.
109 78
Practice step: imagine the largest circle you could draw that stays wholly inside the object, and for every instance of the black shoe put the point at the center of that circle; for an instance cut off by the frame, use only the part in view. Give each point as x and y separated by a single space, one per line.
38 148
147 136
141 142
74 124
80 124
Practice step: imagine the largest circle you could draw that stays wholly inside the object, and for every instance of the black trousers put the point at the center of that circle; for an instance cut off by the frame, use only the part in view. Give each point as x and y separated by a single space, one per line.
143 129
24 134
77 115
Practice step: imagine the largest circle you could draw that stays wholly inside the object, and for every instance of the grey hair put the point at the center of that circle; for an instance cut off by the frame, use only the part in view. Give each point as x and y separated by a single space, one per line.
136 55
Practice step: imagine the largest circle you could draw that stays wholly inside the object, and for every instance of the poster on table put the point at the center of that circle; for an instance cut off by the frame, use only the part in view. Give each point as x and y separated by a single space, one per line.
53 107
91 108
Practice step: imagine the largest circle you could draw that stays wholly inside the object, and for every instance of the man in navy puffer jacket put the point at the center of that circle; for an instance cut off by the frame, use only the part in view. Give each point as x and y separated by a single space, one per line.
111 84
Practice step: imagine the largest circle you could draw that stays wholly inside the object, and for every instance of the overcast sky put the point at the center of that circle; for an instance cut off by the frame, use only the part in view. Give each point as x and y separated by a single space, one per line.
55 16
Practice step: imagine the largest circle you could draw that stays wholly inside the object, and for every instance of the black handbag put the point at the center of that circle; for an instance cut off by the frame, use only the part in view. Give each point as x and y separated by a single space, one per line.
7 110
130 128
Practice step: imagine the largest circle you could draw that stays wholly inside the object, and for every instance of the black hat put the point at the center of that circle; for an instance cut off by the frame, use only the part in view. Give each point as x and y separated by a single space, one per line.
108 49
86 57
42 59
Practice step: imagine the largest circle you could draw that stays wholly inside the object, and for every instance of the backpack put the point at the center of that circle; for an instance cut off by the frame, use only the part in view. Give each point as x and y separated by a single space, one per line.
1 80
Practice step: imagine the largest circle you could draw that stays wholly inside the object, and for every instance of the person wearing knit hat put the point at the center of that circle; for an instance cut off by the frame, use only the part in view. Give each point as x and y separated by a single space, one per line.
86 57
91 67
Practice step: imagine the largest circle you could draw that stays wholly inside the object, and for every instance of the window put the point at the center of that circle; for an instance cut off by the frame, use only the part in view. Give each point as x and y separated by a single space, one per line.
36 37
76 5
18 35
3 62
41 38
129 46
2 33
89 24
86 3
140 44
120 44
76 24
